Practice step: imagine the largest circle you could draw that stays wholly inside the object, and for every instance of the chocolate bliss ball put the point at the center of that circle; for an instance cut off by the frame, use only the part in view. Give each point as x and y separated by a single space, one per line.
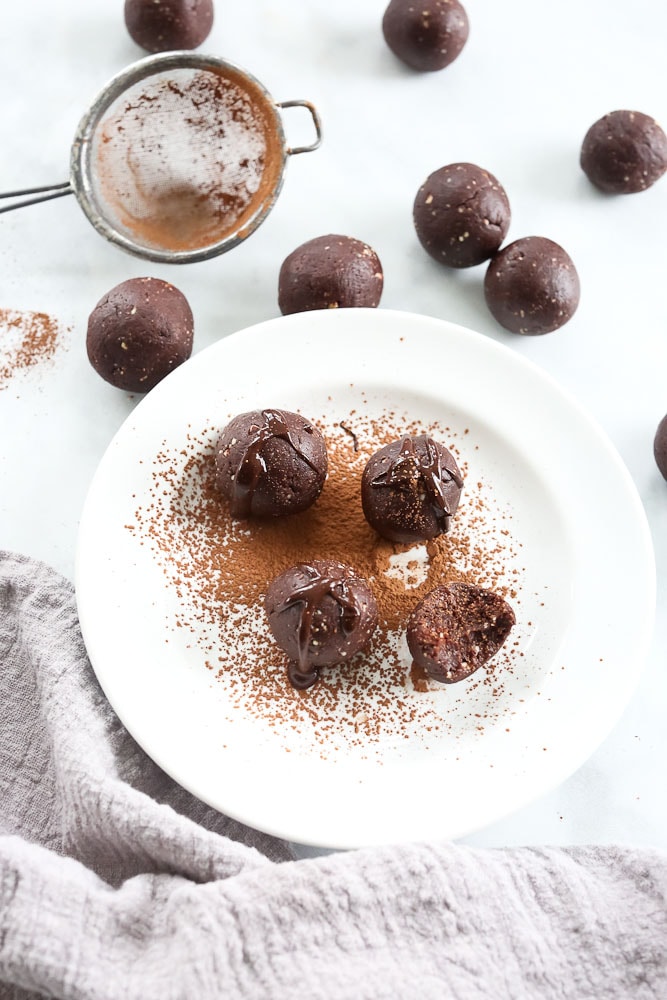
138 332
624 152
461 215
164 25
660 447
330 272
269 463
410 489
320 613
457 628
426 35
531 286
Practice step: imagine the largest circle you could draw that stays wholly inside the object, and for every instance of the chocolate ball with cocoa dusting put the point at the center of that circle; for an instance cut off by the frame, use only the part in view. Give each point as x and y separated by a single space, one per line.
624 152
330 272
138 332
531 286
165 25
410 489
660 447
457 628
461 215
426 35
320 613
269 463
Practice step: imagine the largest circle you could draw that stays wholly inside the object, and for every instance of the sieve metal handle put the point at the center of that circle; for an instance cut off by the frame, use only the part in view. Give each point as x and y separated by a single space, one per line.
316 122
43 194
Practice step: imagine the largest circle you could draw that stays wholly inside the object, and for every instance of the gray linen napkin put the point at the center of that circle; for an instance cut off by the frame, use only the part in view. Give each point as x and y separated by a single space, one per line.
116 883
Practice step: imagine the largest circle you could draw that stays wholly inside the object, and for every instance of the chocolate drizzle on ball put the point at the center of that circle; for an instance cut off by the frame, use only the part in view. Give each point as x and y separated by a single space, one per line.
270 463
320 613
433 474
253 463
410 489
309 597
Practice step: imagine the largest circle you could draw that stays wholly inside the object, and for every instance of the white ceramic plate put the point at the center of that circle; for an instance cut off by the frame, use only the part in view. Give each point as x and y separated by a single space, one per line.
581 554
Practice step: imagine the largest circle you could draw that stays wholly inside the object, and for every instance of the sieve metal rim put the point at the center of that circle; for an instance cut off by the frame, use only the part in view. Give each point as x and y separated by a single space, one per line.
81 169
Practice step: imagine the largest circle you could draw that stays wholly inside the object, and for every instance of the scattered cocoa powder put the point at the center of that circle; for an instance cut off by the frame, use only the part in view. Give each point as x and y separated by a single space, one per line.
27 339
220 569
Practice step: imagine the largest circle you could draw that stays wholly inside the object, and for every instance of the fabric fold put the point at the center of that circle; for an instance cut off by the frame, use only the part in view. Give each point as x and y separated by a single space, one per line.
71 777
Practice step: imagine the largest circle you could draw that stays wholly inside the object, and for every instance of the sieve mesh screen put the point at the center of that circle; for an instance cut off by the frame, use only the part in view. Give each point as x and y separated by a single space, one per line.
185 158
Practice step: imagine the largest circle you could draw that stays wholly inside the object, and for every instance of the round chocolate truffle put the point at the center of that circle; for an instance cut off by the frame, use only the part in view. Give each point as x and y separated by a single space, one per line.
165 25
138 332
660 447
457 628
426 35
269 463
320 613
624 152
461 215
531 286
410 489
330 272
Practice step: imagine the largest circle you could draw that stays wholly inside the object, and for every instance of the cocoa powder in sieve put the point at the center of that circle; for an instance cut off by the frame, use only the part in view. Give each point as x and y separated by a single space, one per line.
220 570
188 158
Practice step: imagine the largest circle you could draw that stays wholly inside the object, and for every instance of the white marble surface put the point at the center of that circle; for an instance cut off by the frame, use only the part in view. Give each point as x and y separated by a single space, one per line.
518 101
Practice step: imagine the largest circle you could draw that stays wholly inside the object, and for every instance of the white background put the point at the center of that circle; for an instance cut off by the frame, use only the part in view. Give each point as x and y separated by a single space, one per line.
518 101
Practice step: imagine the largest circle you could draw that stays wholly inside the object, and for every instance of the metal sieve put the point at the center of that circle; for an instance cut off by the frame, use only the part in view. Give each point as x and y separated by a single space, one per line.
180 158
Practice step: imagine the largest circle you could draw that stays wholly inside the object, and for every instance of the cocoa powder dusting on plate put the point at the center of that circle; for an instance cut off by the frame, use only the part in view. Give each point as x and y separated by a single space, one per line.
27 339
220 569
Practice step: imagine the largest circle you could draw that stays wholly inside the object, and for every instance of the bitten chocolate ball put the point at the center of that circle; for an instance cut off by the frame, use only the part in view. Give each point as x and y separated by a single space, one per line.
624 152
461 215
330 272
410 489
457 628
660 446
269 463
320 613
138 332
165 25
531 286
426 35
